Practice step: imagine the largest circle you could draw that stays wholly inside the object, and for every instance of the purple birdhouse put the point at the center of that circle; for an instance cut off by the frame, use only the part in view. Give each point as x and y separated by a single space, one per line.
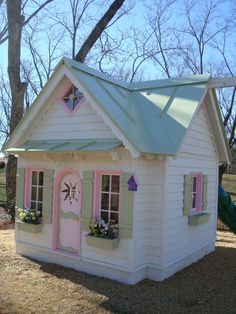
133 183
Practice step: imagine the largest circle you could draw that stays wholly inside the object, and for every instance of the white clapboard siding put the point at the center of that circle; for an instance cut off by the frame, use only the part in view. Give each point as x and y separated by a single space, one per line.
197 154
58 124
118 257
148 206
43 239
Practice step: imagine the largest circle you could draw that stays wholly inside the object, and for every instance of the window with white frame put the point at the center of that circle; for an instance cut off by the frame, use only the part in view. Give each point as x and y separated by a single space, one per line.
197 192
36 190
110 198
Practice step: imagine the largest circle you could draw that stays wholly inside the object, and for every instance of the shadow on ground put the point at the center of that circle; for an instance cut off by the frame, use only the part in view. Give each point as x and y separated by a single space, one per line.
208 286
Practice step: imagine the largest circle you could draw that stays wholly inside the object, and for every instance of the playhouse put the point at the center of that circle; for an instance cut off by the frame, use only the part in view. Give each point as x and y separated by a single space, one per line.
143 156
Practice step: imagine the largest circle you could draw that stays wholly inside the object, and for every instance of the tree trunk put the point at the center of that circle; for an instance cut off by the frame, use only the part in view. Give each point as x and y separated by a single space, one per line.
98 29
15 24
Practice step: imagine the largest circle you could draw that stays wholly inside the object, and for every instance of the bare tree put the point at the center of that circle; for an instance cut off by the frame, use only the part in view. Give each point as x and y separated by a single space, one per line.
39 65
15 24
98 29
227 98
5 109
159 16
75 19
200 31
5 31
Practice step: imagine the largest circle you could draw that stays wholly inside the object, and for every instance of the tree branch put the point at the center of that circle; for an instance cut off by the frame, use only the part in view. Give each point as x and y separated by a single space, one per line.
98 29
25 22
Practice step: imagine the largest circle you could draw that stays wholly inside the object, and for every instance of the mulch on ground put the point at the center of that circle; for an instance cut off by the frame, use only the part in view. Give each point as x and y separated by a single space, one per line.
27 286
5 220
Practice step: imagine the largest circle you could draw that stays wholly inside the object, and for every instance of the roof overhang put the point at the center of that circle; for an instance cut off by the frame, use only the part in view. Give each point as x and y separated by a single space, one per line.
218 129
59 146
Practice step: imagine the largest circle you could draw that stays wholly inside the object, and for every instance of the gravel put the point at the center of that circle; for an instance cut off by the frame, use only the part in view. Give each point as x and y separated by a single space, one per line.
28 286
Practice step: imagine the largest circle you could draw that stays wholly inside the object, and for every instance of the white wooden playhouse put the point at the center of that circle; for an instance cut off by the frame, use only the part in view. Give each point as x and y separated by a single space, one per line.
143 155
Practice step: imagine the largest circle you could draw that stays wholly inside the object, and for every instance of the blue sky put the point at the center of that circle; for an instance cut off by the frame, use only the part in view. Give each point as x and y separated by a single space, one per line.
136 19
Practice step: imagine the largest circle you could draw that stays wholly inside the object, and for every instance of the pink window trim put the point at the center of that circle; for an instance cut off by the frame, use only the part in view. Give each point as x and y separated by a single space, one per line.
63 104
97 189
28 178
56 189
199 192
71 113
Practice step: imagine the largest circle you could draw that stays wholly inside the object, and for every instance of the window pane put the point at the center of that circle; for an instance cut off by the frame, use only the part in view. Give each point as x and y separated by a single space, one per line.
33 205
33 193
40 194
34 177
104 201
194 200
70 104
194 184
115 202
114 218
104 216
40 207
115 184
41 178
70 91
78 95
105 183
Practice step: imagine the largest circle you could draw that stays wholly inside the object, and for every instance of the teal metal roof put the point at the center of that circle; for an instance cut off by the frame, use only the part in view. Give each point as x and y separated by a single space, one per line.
65 146
153 116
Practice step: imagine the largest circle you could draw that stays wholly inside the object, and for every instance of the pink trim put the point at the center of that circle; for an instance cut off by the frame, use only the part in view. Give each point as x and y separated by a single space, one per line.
63 91
71 113
56 186
28 177
97 189
199 191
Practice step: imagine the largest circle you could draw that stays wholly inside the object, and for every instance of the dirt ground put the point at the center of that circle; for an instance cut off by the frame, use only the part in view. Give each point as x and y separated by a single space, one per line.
27 286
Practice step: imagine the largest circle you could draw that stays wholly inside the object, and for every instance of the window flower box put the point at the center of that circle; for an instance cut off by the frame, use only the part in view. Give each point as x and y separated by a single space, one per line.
198 219
103 235
102 243
29 227
29 220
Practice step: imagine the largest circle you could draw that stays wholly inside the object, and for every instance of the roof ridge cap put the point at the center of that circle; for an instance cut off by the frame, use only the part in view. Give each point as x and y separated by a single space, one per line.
170 82
84 68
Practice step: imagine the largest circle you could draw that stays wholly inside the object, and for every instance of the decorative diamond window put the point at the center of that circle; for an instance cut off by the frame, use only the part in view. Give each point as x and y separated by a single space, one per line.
72 98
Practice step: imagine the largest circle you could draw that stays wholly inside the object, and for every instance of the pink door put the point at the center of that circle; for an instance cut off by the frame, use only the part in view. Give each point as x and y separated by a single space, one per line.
69 213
